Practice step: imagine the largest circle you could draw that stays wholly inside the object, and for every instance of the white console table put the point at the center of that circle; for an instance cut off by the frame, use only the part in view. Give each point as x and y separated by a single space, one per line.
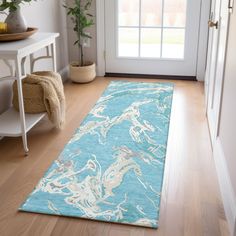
13 123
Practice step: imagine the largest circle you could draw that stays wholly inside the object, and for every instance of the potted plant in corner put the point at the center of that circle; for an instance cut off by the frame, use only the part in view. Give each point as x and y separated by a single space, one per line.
81 71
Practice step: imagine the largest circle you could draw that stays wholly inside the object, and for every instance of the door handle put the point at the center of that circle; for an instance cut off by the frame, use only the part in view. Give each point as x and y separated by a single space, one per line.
212 24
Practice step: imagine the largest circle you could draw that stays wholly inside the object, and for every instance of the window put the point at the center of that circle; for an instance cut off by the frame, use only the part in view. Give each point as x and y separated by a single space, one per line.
151 28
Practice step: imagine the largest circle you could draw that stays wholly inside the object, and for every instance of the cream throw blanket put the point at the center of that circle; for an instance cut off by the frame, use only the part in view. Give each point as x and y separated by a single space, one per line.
43 91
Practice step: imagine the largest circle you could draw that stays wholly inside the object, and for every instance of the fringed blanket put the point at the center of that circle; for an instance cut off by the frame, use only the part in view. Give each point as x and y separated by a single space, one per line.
43 92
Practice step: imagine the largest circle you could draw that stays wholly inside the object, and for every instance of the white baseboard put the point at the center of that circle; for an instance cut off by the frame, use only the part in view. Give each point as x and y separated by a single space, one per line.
227 192
64 73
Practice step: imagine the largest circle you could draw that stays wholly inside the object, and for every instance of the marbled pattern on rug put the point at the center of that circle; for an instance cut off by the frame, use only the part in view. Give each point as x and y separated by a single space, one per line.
112 168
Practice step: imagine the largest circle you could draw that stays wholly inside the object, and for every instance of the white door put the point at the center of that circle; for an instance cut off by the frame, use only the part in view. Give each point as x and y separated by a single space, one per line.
157 37
216 62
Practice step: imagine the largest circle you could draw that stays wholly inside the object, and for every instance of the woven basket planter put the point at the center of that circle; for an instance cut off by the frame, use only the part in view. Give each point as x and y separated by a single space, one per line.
82 74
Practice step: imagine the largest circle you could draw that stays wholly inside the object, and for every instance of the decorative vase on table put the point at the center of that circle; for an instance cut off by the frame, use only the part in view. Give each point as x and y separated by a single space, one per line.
16 22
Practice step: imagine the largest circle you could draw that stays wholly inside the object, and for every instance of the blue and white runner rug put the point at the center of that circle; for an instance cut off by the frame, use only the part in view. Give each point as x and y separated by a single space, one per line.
112 168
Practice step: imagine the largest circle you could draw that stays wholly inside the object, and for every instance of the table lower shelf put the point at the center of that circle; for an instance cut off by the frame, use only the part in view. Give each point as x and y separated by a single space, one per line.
10 125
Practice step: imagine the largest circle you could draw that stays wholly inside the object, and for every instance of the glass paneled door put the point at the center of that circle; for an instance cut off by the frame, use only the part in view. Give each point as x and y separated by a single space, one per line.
152 36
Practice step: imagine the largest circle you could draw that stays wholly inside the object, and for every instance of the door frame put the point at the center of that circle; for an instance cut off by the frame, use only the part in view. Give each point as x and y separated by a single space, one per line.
214 122
202 42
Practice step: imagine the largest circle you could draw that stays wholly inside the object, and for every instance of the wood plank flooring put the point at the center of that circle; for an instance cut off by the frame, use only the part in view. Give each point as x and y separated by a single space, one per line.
191 203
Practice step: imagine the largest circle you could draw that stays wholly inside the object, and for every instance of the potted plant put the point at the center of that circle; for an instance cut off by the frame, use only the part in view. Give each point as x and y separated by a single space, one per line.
15 20
81 71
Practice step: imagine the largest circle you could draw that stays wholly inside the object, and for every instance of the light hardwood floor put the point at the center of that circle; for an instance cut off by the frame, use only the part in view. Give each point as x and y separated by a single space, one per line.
191 202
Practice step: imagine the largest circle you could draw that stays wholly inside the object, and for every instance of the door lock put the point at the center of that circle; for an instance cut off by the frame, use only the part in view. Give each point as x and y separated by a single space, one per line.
212 24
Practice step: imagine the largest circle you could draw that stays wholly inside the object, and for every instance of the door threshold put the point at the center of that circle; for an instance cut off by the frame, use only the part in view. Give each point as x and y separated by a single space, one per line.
167 77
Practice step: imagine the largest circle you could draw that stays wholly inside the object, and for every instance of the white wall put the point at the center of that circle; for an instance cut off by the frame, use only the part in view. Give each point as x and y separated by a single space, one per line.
48 16
224 147
228 109
228 117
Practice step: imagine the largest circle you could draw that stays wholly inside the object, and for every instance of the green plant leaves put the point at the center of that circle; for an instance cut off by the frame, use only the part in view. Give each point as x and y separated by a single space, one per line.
12 5
82 20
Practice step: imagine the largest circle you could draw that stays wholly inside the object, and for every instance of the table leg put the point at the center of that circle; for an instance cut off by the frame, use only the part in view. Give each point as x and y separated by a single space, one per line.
54 62
21 104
